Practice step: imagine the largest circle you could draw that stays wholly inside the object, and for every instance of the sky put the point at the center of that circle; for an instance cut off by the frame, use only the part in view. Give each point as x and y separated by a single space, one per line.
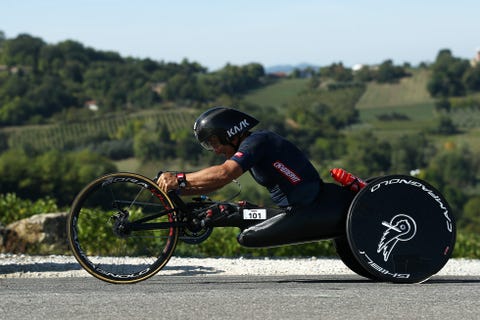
269 32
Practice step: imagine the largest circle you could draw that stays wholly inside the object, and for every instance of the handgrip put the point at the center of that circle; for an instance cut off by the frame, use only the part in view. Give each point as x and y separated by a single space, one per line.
173 195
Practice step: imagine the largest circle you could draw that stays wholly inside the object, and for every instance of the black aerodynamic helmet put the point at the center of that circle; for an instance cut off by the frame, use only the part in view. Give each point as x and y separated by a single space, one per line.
225 123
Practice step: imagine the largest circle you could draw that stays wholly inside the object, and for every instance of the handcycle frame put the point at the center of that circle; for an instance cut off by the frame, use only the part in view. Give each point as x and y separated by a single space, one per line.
135 227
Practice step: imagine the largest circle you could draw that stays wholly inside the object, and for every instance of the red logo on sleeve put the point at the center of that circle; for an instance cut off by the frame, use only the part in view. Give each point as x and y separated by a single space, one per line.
238 154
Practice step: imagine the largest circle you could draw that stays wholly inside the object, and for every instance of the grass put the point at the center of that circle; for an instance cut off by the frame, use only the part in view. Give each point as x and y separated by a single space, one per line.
128 165
470 138
60 136
409 97
277 94
415 112
408 91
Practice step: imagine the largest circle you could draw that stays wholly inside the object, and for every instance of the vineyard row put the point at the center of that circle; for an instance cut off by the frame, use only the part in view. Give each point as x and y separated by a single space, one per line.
64 135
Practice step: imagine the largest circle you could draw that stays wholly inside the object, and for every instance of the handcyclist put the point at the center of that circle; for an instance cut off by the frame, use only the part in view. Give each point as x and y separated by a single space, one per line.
310 207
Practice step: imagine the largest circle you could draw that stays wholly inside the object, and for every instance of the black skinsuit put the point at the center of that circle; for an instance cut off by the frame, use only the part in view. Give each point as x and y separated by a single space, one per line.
322 219
309 209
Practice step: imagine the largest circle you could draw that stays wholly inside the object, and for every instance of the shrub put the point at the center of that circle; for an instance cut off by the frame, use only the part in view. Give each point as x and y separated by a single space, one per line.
13 208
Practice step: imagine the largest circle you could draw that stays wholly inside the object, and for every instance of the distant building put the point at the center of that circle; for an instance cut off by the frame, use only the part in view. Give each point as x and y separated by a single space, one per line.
278 74
15 69
159 87
357 67
476 59
92 105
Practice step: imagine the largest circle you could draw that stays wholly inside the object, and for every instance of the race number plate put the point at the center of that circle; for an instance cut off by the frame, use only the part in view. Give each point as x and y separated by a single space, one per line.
254 214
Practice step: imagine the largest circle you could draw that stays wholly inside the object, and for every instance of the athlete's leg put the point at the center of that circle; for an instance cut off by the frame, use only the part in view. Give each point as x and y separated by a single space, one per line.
323 219
233 215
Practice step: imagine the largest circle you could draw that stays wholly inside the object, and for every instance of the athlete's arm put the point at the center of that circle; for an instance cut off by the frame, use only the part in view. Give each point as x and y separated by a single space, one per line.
203 181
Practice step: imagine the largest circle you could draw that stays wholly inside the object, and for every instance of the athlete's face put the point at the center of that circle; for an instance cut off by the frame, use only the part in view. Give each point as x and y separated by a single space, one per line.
226 149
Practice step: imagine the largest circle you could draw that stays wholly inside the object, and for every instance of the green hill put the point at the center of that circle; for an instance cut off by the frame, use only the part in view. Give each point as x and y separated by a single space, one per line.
68 135
407 105
278 93
389 110
409 91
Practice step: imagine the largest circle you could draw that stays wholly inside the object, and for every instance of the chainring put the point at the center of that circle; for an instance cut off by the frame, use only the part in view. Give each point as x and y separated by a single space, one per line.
195 237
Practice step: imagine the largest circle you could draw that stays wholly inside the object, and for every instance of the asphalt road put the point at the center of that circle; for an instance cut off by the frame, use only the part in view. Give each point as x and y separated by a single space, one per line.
236 297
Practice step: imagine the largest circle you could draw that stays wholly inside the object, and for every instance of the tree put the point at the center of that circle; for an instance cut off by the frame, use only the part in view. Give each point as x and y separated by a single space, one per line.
53 174
187 148
365 74
22 51
13 112
452 171
471 78
445 126
2 38
443 105
338 72
438 85
447 74
410 152
153 142
233 80
387 72
46 79
458 167
471 215
181 87
50 96
367 155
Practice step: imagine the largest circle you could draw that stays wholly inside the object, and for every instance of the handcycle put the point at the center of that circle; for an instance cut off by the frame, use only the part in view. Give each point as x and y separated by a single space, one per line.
123 229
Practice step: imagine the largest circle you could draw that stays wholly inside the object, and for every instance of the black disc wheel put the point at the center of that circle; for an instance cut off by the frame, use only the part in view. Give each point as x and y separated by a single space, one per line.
121 228
401 229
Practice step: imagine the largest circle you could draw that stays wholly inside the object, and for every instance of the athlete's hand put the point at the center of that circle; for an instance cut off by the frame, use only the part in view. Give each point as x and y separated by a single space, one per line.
167 181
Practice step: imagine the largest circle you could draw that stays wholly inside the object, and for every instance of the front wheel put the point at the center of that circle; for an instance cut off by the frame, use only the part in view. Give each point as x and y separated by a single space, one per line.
121 228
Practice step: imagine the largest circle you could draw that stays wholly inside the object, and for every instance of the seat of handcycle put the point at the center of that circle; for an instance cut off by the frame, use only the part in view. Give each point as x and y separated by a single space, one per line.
322 219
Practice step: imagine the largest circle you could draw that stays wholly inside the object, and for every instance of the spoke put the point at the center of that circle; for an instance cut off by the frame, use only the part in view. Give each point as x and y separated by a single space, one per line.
136 197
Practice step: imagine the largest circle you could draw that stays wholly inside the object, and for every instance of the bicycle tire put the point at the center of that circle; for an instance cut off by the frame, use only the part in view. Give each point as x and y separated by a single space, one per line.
344 251
97 242
348 258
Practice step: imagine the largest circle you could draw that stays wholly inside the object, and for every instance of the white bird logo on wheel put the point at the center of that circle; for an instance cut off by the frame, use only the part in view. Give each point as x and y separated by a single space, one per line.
400 228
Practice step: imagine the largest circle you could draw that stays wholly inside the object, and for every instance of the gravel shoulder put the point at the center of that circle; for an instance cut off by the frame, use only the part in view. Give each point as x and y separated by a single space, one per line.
25 266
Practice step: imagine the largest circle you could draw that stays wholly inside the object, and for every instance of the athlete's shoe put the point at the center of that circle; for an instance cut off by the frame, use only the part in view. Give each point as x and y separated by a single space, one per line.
215 215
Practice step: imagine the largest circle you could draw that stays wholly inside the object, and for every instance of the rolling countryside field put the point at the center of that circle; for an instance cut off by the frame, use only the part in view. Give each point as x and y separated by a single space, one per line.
408 98
387 110
277 94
